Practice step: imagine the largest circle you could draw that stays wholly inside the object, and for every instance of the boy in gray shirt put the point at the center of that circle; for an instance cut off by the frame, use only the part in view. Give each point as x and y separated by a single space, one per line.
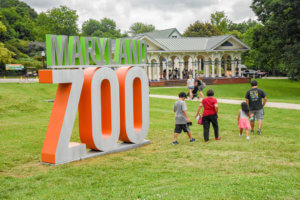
181 118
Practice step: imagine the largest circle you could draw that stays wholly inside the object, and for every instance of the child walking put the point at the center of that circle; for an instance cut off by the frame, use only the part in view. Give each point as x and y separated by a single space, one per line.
181 118
243 120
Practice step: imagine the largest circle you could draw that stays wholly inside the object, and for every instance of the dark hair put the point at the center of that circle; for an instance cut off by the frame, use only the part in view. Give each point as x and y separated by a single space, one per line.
182 94
210 93
245 107
253 83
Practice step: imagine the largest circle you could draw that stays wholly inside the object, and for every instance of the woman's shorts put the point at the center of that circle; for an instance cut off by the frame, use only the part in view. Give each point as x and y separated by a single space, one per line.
191 87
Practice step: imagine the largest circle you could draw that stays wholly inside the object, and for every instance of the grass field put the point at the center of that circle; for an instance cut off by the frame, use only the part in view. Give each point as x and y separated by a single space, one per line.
266 167
277 90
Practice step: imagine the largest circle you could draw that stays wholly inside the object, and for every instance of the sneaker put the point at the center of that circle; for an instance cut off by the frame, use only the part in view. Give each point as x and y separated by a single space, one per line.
248 138
193 140
240 135
219 138
252 131
175 142
258 131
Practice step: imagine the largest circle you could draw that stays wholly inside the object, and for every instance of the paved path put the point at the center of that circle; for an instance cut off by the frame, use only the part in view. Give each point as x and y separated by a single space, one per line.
17 80
230 101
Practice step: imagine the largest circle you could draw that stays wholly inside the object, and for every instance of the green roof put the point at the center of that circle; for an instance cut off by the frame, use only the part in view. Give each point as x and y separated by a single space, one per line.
159 33
162 38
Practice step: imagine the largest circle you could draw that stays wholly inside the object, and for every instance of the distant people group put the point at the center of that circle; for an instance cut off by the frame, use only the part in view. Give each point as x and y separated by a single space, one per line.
252 109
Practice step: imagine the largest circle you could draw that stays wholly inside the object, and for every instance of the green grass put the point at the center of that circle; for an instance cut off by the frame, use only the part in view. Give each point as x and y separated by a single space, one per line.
277 90
266 167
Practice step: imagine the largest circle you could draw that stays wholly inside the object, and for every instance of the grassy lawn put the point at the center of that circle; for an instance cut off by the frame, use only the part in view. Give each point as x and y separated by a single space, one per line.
277 90
266 167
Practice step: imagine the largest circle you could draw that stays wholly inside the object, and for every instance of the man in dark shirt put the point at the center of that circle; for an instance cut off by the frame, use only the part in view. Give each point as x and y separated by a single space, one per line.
256 106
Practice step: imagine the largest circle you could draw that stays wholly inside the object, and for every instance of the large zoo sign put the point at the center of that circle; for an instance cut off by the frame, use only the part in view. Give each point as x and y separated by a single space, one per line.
113 105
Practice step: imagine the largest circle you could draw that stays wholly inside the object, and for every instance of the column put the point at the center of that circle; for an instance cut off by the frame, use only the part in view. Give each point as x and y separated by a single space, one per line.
149 71
200 64
157 71
220 69
193 68
206 70
232 68
181 66
213 69
240 68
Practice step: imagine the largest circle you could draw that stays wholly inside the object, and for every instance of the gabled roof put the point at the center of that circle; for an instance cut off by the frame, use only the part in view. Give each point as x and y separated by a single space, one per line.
163 40
194 43
159 34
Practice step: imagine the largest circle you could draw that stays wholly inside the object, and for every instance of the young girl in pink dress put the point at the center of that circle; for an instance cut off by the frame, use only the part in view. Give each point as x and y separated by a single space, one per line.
243 119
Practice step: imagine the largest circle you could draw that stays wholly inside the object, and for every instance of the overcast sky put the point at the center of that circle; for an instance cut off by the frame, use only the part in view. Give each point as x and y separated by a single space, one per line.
162 14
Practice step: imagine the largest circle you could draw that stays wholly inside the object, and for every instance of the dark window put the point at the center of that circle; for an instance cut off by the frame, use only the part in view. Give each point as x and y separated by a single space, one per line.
174 36
226 44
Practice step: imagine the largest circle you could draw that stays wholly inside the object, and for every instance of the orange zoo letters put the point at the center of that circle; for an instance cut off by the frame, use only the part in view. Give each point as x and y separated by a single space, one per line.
112 105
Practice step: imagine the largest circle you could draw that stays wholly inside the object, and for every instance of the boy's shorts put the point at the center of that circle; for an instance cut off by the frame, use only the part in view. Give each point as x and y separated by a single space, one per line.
258 114
180 127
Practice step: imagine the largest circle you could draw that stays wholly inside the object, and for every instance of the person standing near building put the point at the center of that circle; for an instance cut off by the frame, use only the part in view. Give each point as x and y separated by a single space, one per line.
190 84
254 98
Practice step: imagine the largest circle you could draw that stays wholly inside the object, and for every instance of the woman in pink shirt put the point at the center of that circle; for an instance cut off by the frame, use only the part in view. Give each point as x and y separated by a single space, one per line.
209 115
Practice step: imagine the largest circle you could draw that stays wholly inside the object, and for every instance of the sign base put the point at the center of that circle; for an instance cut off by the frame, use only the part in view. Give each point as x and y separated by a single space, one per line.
92 153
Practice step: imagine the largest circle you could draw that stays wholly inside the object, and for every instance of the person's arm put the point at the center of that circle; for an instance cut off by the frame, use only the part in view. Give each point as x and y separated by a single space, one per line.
198 110
216 108
238 119
247 97
186 115
265 101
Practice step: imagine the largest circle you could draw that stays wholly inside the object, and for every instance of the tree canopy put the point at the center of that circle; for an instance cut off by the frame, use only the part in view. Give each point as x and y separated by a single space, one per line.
199 29
139 27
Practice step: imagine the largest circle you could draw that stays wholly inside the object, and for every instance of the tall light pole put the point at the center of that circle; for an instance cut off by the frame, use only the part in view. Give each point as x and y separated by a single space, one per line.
43 59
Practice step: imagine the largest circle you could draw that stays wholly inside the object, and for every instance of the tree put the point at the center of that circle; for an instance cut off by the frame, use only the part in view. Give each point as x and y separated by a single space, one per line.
220 20
57 21
107 29
5 54
280 35
90 26
199 29
139 27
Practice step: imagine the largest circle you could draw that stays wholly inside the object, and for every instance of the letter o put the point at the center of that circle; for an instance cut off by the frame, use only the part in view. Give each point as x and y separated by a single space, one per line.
99 114
134 104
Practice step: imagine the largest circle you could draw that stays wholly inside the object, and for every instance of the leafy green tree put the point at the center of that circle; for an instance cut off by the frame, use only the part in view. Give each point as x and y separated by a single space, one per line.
199 29
62 21
57 21
220 20
107 29
242 27
278 40
139 27
90 26
5 54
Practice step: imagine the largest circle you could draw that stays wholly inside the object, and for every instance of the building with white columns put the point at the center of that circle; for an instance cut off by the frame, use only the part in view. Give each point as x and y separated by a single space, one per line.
172 56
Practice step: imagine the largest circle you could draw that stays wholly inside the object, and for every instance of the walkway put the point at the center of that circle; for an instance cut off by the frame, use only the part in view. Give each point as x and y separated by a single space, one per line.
230 101
17 80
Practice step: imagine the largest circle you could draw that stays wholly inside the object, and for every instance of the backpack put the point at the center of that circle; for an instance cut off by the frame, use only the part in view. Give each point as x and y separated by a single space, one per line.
203 85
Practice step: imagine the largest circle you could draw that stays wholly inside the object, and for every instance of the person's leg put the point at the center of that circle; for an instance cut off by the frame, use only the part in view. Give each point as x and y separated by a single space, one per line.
186 129
260 117
252 122
241 131
175 137
191 93
214 121
247 134
206 124
201 94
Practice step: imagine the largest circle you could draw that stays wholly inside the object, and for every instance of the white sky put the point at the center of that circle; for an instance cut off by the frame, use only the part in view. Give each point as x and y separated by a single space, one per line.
162 14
